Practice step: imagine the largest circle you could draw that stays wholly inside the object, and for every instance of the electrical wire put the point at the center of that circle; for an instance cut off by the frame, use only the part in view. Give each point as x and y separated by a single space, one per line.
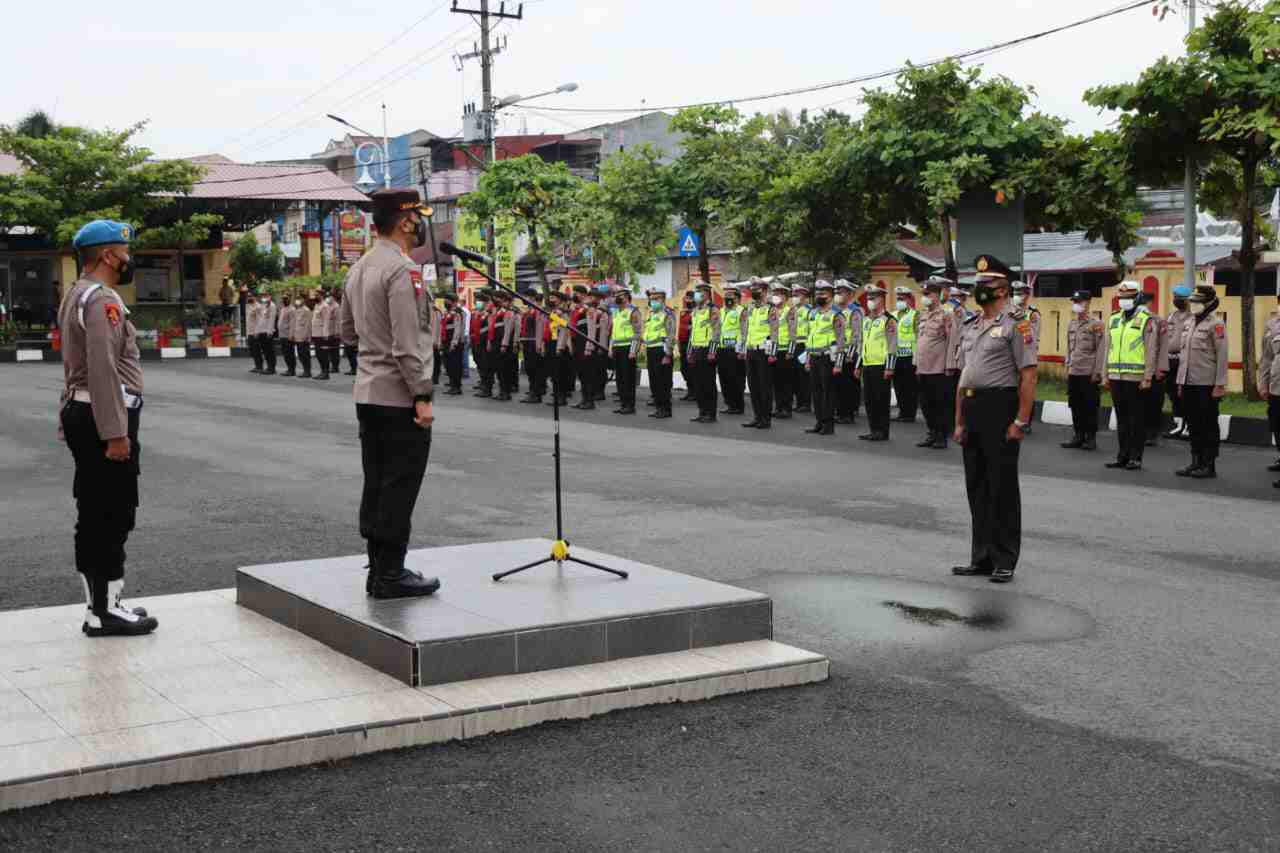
365 61
852 81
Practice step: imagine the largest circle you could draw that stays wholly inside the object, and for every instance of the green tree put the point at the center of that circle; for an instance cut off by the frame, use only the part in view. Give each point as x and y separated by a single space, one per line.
253 266
71 175
718 169
943 132
625 218
1219 107
539 196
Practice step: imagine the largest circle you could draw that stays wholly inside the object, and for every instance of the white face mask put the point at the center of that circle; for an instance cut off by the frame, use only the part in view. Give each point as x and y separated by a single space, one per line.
902 304
1019 300
776 300
1126 304
1078 307
841 299
1197 308
328 300
873 304
927 301
795 300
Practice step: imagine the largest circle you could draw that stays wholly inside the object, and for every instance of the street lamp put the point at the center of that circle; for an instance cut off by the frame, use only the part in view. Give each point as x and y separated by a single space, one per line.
365 178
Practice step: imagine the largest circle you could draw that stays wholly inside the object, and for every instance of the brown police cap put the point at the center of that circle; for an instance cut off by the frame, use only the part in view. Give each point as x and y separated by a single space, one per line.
397 200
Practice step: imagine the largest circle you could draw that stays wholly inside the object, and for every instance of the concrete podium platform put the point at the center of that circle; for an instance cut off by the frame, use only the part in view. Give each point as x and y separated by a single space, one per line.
546 618
219 690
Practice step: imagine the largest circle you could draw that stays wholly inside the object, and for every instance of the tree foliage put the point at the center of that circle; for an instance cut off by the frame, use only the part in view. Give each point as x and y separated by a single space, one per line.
253 266
625 219
71 175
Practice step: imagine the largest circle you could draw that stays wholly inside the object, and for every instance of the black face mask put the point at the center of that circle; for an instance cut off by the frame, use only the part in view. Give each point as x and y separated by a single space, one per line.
822 300
420 234
125 272
1180 304
984 295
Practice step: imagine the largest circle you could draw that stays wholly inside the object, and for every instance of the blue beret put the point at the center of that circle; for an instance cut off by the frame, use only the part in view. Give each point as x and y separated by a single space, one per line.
1182 292
103 232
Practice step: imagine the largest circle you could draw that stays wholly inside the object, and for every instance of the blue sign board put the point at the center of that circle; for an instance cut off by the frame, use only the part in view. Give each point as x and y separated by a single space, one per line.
687 245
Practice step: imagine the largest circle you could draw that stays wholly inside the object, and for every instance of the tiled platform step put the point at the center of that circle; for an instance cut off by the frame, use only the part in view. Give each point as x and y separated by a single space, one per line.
474 627
221 691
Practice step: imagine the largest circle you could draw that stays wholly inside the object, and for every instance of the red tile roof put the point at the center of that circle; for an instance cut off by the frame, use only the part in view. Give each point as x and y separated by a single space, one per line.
226 180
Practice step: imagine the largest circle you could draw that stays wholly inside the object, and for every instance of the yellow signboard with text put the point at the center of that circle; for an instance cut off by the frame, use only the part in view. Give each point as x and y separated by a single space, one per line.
469 234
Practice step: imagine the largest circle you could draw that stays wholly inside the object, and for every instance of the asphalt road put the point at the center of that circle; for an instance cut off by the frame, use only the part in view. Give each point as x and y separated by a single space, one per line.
1121 696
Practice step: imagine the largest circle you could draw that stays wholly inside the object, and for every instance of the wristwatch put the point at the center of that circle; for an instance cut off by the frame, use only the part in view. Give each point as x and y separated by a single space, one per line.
422 398
1021 425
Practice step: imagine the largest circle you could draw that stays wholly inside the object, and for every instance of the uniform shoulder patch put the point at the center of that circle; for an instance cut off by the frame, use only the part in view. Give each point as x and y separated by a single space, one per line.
1024 329
113 312
1220 330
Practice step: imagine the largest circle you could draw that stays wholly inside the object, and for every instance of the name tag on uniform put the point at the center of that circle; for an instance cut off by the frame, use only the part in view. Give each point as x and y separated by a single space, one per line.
997 332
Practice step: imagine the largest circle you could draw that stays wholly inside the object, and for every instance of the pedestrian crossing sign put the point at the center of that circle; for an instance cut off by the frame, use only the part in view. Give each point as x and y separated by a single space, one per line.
688 243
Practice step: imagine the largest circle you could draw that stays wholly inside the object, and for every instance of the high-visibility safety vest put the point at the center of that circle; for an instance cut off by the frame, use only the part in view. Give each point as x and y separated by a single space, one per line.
875 344
623 332
700 333
655 329
907 333
730 323
804 316
758 326
784 329
821 333
1127 349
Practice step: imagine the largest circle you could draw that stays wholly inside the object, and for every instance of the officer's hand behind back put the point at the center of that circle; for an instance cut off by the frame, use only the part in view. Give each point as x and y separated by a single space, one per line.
118 449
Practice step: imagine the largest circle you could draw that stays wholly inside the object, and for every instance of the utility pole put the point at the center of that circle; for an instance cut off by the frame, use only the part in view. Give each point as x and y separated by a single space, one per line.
1189 217
487 102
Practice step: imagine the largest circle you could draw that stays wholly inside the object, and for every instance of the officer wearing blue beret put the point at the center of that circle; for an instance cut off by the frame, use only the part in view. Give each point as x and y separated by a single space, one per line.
101 408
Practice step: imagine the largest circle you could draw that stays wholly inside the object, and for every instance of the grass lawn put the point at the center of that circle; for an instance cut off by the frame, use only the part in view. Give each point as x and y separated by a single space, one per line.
1232 404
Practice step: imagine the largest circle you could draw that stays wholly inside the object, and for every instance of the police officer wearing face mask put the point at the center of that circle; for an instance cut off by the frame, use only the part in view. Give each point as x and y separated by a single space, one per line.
101 409
390 311
729 368
1202 380
1171 356
1269 379
1085 365
876 363
997 390
846 387
762 353
1130 350
905 382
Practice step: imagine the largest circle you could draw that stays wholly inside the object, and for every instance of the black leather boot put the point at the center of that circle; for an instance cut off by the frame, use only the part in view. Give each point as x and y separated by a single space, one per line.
1190 469
1076 442
1208 469
395 581
1090 442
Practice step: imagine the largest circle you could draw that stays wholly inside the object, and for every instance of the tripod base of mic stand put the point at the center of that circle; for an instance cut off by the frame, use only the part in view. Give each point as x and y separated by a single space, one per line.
559 554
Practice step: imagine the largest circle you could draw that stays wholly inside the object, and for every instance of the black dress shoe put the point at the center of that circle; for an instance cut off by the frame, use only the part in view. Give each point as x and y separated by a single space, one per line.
750 424
1089 443
627 410
814 430
783 416
879 436
323 377
1274 467
255 370
1001 575
867 436
844 421
687 398
828 430
1133 465
700 419
1076 442
939 443
927 441
406 584
664 414
1207 471
1152 441
803 410
353 373
1276 484
970 569
905 420
271 372
765 425
1119 463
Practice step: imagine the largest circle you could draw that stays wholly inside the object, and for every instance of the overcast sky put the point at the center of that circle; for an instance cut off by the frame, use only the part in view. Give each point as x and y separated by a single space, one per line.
228 77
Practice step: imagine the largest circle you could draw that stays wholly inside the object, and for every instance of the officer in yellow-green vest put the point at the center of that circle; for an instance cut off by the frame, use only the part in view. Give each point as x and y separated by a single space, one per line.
628 330
659 345
762 353
784 369
1129 350
729 368
876 362
704 348
905 383
803 311
824 357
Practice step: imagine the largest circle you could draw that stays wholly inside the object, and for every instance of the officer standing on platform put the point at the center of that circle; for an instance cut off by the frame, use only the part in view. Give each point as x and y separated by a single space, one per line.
704 346
825 350
762 349
728 367
300 331
1269 380
997 391
803 312
1086 336
284 327
388 308
267 316
876 363
660 344
935 363
905 385
99 419
1130 349
251 315
1172 357
628 330
1202 380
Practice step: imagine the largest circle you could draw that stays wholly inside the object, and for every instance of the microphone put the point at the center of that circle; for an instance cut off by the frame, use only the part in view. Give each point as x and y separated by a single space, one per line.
465 254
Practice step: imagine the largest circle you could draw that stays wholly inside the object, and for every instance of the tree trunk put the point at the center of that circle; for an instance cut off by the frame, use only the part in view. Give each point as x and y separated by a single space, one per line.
1248 260
704 260
539 262
948 250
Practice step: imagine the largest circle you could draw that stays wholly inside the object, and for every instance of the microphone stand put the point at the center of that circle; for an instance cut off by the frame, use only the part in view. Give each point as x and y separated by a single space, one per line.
560 548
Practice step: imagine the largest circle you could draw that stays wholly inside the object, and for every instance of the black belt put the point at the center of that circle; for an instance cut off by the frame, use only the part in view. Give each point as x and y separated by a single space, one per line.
990 392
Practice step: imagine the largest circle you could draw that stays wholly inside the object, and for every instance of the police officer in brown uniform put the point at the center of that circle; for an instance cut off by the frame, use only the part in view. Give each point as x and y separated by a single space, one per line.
1171 357
1085 365
389 310
284 326
994 401
101 409
1202 380
1129 376
319 329
1269 380
937 329
252 311
300 331
267 316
